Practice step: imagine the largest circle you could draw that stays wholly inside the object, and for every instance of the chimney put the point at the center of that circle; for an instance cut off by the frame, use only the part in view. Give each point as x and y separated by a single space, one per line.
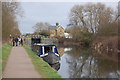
57 24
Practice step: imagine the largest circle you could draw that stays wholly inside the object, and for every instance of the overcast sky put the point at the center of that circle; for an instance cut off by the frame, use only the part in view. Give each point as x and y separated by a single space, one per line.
50 12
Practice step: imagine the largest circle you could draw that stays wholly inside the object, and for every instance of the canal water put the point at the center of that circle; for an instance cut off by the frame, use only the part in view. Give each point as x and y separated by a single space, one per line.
79 62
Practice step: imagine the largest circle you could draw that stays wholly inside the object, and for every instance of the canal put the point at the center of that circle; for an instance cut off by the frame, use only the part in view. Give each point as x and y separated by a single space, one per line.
79 62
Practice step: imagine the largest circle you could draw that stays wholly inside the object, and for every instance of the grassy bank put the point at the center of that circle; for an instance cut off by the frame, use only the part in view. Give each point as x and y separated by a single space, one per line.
41 66
0 61
4 54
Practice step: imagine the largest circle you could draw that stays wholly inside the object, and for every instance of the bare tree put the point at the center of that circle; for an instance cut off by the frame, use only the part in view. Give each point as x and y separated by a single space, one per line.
0 22
10 11
90 16
91 19
41 26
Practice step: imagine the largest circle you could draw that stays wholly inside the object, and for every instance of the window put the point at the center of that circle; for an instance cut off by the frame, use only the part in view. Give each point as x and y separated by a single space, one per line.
60 30
48 49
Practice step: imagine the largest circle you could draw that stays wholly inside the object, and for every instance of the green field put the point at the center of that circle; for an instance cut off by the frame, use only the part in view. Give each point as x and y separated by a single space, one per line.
41 66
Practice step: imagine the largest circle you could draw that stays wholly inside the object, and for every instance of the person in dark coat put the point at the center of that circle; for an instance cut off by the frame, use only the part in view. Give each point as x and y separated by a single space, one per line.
21 41
16 41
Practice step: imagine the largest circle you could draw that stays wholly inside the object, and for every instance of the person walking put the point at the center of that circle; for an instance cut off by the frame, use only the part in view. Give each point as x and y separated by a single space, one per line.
16 41
21 41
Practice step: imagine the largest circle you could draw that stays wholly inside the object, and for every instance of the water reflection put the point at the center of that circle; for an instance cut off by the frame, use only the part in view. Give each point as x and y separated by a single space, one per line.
80 62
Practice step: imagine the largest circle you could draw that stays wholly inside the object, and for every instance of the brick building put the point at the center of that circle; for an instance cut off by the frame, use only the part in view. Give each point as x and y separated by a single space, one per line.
56 31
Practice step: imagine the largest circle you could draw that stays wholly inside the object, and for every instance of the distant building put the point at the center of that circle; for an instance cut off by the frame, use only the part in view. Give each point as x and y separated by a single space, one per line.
68 35
56 31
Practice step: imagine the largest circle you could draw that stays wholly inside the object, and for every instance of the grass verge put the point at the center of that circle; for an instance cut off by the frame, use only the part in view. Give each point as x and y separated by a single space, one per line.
41 66
0 61
4 54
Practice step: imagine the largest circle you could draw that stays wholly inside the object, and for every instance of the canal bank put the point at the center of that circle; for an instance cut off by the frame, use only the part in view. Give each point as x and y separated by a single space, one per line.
4 55
41 66
12 64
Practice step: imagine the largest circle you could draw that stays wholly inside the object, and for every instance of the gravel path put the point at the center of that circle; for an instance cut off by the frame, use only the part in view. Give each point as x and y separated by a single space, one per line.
19 65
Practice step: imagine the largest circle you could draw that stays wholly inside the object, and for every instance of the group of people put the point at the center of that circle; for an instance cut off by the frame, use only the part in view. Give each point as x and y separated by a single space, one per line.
17 41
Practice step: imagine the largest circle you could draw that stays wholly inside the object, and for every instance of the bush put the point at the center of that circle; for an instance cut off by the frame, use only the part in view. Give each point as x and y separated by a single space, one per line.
81 34
86 38
108 29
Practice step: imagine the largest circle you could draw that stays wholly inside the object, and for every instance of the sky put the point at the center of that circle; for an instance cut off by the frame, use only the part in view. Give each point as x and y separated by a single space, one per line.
50 12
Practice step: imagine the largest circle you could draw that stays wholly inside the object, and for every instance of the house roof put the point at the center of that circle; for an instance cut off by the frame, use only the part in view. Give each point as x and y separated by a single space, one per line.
61 27
53 28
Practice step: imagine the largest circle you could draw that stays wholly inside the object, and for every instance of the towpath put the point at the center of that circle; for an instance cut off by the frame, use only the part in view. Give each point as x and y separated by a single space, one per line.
19 65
